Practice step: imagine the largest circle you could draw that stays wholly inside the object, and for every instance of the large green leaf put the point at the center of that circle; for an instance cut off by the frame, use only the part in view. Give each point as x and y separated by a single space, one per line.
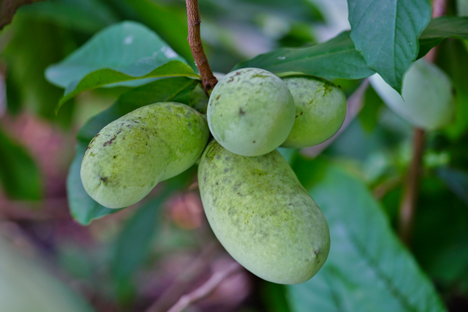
442 28
19 175
386 33
427 100
83 208
336 58
368 268
121 53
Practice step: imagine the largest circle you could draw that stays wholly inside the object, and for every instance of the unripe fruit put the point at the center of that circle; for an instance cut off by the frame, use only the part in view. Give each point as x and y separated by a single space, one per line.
320 111
251 112
129 156
262 215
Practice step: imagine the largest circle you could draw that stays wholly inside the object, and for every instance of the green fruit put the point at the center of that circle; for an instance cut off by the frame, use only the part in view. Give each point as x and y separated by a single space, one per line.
251 112
262 215
129 156
320 111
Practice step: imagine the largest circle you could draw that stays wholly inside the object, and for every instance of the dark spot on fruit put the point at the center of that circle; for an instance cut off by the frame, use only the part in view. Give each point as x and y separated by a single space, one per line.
217 183
115 156
226 170
104 179
237 73
110 141
231 79
218 97
241 112
253 141
302 113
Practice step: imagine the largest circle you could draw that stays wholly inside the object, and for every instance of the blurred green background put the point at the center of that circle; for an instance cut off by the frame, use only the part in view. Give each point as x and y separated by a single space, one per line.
152 254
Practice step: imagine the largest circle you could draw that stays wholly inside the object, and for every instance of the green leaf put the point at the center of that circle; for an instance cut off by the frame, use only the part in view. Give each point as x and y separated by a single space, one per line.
456 181
164 90
368 268
108 76
442 28
83 208
19 175
386 33
336 58
427 100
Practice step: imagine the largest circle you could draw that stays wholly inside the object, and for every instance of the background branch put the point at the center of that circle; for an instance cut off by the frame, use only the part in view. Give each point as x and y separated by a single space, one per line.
196 46
411 189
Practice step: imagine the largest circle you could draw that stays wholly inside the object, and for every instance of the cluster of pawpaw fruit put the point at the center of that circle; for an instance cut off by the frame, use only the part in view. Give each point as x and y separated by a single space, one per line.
253 201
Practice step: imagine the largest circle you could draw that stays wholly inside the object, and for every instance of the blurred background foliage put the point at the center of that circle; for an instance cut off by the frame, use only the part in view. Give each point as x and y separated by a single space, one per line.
151 255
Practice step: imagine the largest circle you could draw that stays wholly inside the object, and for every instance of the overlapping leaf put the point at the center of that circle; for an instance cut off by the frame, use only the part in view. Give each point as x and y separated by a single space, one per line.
386 33
119 54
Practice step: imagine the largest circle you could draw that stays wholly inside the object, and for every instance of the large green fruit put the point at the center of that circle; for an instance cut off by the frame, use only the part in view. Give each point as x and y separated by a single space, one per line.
262 215
320 111
129 156
251 112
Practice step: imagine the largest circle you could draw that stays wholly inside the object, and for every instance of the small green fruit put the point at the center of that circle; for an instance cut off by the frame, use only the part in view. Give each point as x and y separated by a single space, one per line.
262 215
320 111
251 112
129 156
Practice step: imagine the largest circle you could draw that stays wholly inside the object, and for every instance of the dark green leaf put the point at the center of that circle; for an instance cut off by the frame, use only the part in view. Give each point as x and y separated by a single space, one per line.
274 297
128 47
456 181
442 28
164 90
368 268
82 207
19 175
336 58
386 33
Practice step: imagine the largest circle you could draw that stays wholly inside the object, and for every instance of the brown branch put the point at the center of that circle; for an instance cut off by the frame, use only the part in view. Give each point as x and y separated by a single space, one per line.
408 206
207 288
193 19
411 190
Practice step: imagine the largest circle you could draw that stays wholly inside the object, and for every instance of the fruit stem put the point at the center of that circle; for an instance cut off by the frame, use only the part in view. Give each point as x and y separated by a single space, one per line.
410 194
194 39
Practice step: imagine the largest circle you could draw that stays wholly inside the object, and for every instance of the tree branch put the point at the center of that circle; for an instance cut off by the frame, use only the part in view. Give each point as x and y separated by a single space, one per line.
193 19
411 190
207 288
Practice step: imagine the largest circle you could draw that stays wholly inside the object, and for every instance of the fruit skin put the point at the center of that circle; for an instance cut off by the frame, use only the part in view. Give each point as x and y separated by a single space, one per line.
320 111
251 112
262 215
129 156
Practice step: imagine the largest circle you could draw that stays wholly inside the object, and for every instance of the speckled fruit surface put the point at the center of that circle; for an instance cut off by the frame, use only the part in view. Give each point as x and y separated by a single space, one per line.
251 112
129 156
262 215
320 111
